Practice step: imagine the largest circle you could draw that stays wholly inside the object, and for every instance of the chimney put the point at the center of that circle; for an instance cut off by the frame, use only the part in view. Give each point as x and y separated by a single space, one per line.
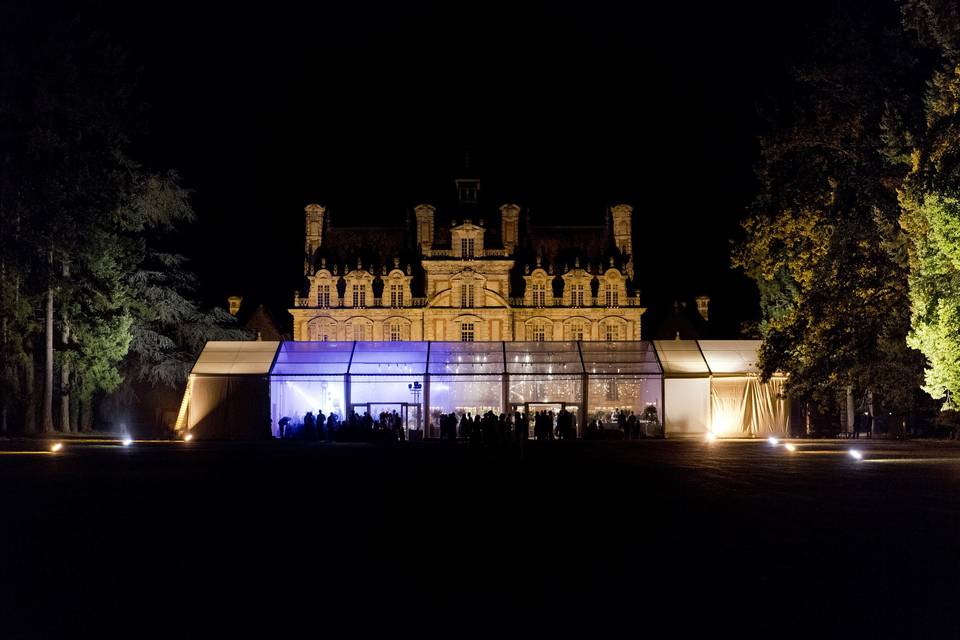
313 214
233 303
424 213
703 306
509 226
622 215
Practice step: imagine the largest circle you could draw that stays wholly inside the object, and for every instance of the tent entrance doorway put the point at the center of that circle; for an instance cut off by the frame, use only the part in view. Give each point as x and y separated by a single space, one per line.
531 408
409 413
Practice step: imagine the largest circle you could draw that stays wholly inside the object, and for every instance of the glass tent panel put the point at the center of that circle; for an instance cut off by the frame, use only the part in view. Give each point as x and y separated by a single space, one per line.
453 358
625 393
389 358
461 394
629 357
548 358
292 397
312 358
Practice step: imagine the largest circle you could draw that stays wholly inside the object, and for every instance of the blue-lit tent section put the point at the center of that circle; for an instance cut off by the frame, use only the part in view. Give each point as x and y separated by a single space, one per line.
308 376
714 385
422 381
228 394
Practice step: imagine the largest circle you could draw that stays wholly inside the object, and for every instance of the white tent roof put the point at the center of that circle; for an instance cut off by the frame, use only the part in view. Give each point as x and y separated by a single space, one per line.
224 358
731 356
681 358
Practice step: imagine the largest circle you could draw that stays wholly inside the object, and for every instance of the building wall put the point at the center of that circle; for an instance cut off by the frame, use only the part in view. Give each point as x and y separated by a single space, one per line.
467 287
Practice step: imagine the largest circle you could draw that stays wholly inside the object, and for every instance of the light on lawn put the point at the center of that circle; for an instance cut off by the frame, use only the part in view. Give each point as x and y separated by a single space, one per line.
855 454
790 447
127 441
711 436
774 441
188 437
56 446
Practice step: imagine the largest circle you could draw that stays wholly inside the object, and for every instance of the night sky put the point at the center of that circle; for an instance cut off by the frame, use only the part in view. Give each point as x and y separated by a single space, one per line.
368 109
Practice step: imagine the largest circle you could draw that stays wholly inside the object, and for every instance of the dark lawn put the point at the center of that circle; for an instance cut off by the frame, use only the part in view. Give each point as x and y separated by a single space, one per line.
676 539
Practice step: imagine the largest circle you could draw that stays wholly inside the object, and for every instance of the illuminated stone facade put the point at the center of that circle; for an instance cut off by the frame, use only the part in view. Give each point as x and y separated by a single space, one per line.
459 278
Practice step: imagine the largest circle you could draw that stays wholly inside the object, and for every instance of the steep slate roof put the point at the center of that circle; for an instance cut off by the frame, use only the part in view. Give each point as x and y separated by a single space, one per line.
680 318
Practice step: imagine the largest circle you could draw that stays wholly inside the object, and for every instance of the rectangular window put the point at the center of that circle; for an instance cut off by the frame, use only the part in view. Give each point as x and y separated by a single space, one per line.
396 295
576 331
539 295
611 333
359 295
576 295
539 332
396 332
466 248
466 295
612 293
323 296
467 333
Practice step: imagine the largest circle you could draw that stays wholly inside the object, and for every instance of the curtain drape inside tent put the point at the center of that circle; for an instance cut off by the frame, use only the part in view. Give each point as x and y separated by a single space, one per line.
746 407
229 407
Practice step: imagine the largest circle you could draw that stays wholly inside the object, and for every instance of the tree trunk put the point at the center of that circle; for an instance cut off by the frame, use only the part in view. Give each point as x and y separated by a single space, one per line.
47 424
86 416
75 413
65 382
30 397
6 399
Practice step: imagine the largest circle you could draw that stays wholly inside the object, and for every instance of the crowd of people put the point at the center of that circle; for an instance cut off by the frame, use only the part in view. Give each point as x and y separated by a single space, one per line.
493 429
489 428
385 426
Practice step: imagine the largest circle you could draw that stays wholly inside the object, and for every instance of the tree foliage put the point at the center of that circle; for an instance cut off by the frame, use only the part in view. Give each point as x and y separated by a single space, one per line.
929 199
822 240
80 221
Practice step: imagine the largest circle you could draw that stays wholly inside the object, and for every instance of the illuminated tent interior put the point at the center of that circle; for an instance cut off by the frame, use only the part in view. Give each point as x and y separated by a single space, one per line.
244 389
227 395
714 385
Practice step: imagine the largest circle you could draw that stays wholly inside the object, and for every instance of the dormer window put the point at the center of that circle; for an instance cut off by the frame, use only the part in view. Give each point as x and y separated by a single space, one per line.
323 296
396 295
359 295
612 294
576 295
539 294
467 248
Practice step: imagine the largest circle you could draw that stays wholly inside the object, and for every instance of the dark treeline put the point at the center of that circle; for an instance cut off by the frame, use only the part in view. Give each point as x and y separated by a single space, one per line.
91 304
854 236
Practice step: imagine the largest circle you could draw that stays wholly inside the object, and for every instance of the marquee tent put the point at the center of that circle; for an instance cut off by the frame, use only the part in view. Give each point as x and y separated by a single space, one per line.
714 385
244 389
227 395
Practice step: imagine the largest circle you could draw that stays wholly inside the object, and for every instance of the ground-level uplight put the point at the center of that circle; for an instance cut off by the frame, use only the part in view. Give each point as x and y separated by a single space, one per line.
774 441
711 436
188 437
56 446
790 447
855 454
127 441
